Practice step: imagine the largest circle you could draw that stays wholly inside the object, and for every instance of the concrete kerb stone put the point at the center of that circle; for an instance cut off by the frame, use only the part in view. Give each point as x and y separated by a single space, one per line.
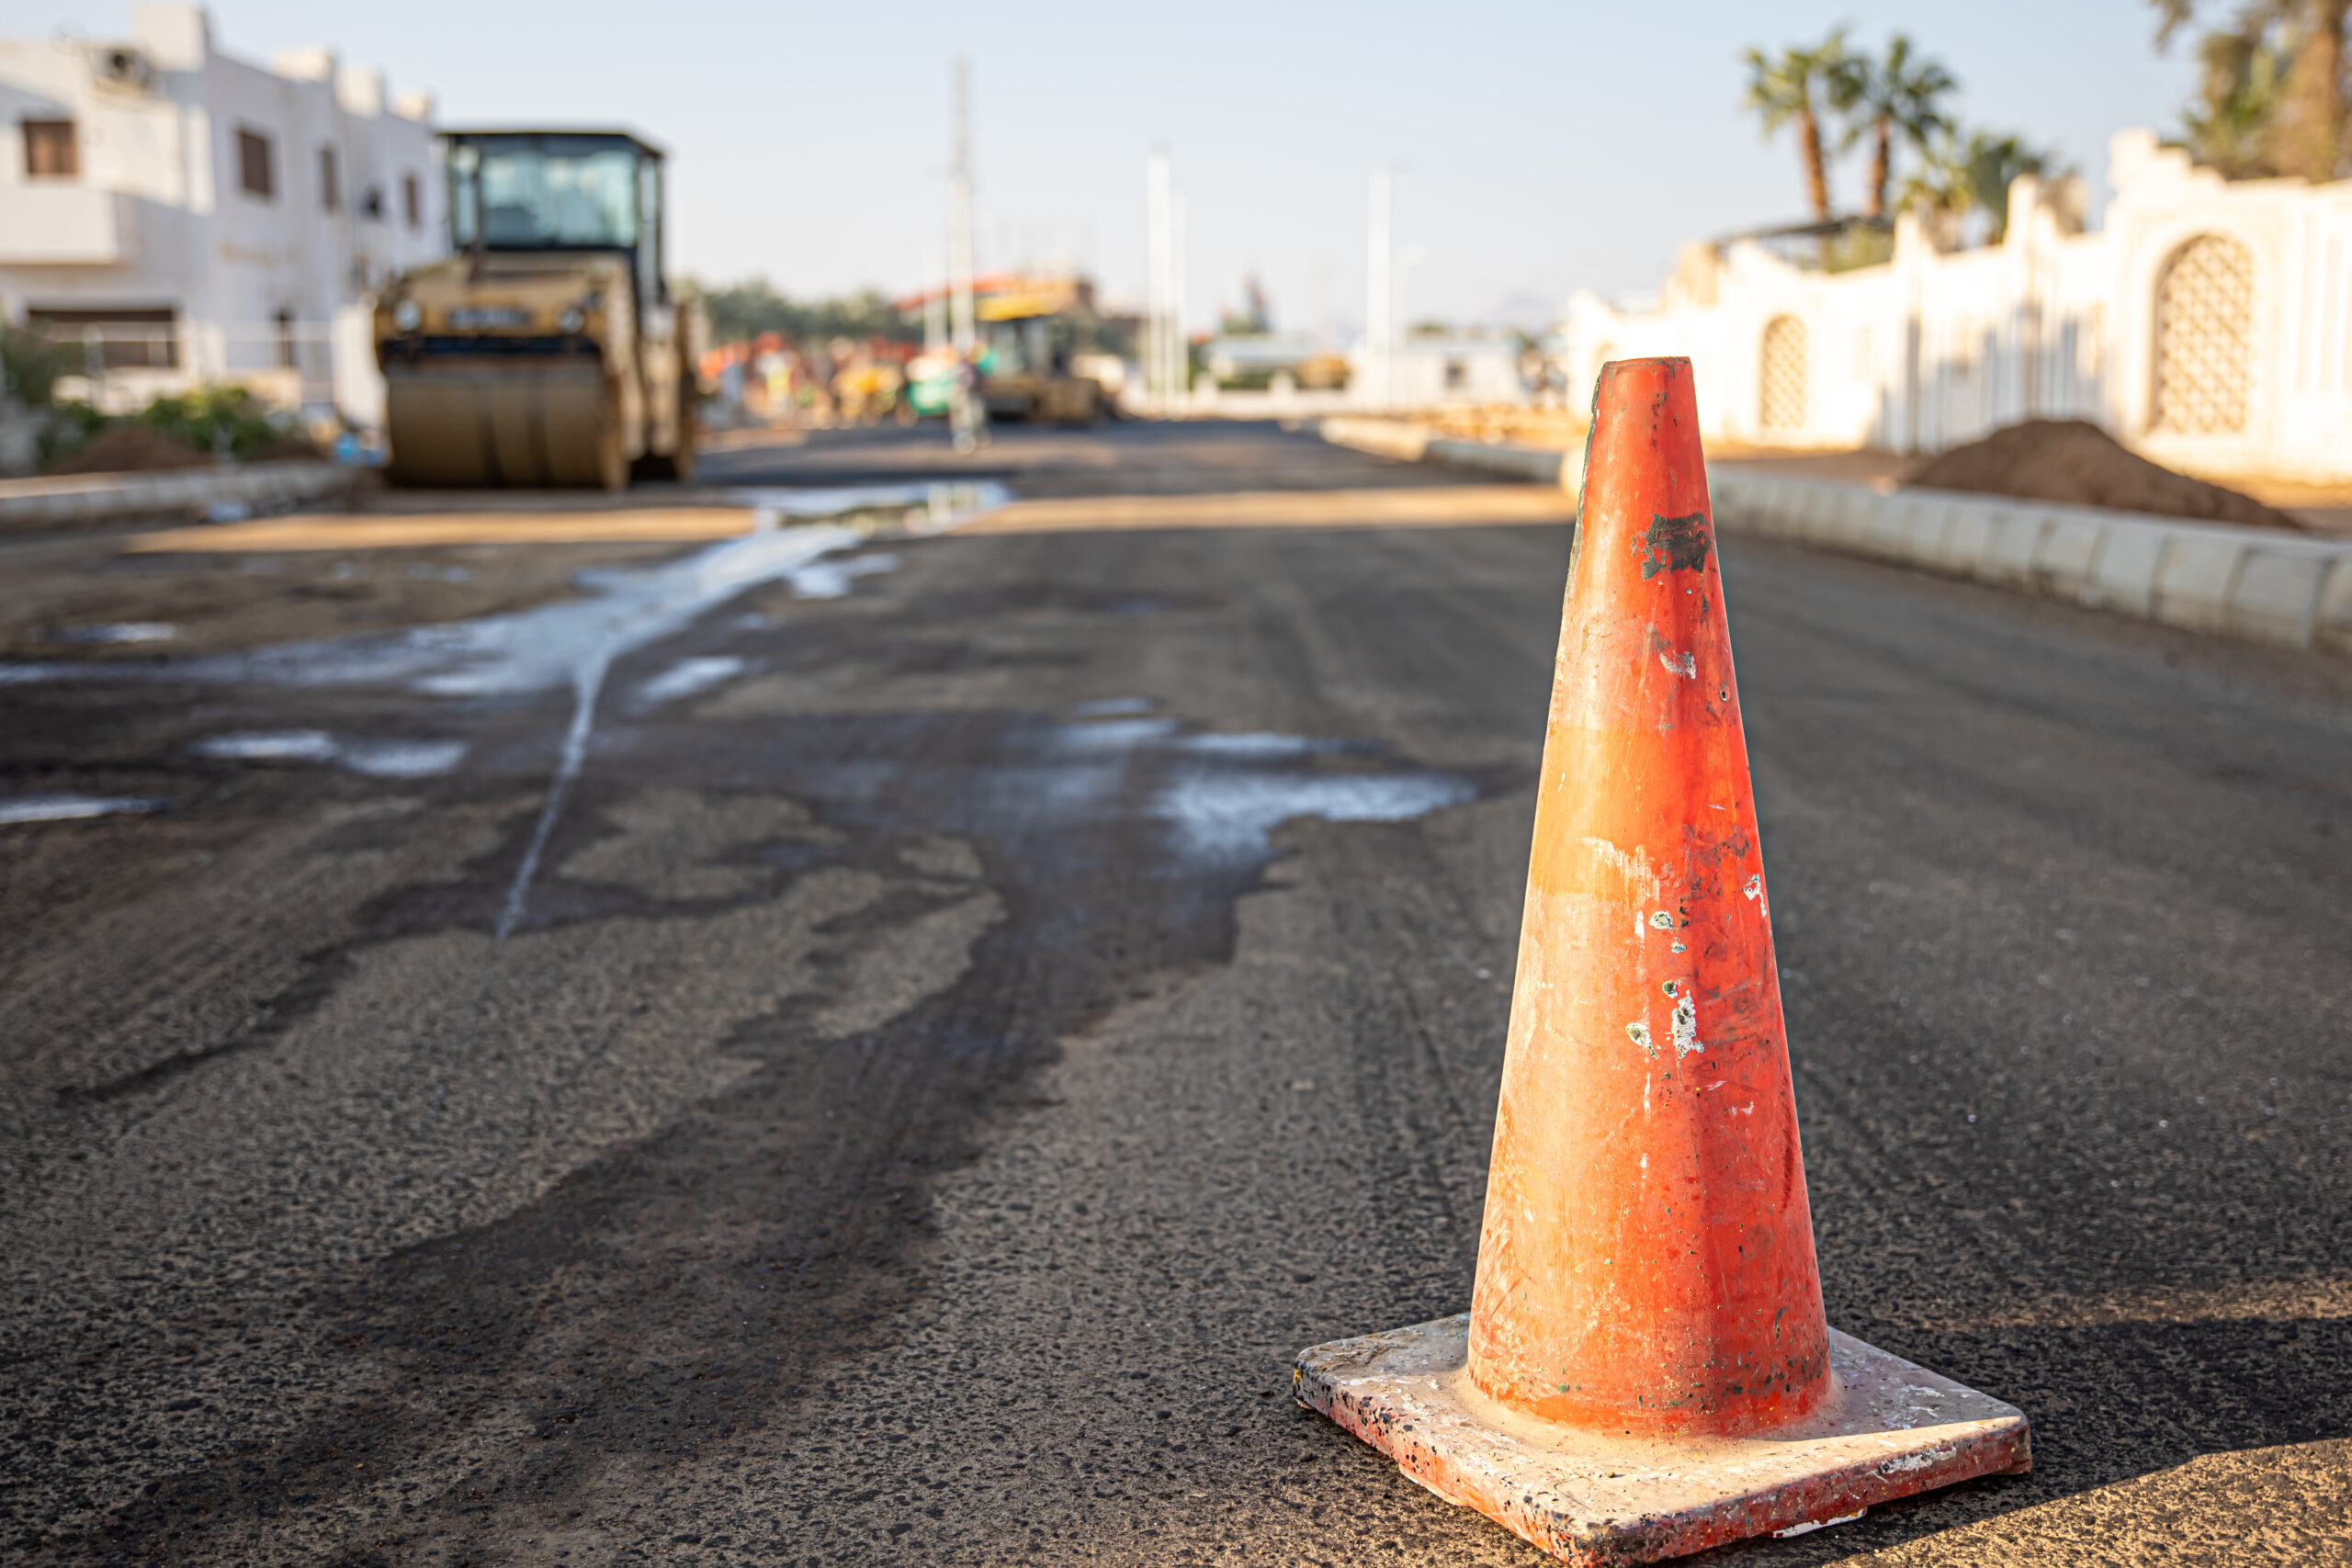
2277 592
2195 579
45 503
2010 553
1848 528
2332 621
2070 549
1538 464
2252 582
2125 575
1381 438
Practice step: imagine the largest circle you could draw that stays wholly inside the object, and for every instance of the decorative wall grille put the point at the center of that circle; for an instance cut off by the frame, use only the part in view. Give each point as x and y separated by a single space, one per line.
2204 337
1779 392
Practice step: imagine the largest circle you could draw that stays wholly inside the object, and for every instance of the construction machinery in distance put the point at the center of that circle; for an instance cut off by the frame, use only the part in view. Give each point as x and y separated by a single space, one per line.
1045 355
548 349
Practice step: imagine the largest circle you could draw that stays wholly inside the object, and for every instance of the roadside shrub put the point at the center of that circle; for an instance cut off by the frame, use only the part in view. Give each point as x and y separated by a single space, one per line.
223 420
30 365
66 430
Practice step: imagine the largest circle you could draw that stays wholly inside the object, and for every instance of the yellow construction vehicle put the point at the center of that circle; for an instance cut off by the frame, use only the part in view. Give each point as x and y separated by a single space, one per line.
1035 330
549 349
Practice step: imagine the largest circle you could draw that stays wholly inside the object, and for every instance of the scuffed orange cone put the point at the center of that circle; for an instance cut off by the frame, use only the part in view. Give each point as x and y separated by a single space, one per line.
1646 1369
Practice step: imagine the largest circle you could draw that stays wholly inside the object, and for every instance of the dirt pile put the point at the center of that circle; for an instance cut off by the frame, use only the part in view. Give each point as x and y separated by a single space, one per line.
129 448
2078 464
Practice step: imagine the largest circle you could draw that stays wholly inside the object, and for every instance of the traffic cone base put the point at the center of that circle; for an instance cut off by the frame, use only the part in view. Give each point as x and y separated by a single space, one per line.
1887 1429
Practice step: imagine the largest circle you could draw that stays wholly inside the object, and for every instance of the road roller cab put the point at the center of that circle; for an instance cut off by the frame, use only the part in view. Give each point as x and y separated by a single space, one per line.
548 350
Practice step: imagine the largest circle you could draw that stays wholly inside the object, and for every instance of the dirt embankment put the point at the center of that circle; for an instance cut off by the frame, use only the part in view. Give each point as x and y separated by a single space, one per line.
2078 464
128 448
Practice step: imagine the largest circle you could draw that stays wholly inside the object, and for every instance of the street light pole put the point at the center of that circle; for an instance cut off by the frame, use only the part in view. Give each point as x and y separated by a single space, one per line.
1380 312
1178 359
959 241
1158 216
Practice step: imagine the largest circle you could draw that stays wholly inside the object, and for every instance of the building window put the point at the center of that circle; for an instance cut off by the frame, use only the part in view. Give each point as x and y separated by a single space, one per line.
1781 385
51 151
412 200
114 340
2205 337
330 180
255 176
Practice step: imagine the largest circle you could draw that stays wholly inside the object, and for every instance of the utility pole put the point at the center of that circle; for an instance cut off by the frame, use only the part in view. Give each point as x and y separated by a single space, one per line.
1179 358
1159 315
966 405
934 318
960 239
1380 308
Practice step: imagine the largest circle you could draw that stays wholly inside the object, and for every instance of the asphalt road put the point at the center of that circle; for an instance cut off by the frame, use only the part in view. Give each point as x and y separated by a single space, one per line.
960 1037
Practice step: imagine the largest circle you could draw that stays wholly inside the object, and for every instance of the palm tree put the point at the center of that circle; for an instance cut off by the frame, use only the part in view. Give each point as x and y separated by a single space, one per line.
1957 177
1789 90
2302 126
1882 98
2228 127
1993 163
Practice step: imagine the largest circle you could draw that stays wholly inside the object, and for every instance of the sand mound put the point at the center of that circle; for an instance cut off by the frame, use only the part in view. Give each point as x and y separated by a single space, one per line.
2078 464
129 448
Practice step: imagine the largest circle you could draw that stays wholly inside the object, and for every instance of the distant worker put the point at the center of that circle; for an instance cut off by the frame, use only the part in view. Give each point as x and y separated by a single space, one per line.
967 411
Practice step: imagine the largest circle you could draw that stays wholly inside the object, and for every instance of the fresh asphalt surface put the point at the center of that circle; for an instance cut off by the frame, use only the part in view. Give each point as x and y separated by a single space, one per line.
934 1088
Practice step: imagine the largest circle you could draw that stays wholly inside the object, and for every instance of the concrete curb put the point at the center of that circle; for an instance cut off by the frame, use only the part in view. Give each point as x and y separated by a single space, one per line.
2262 584
104 498
1416 443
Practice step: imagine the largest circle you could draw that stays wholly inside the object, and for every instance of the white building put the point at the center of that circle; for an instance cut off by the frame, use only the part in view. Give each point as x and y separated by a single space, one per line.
194 218
1432 371
2209 324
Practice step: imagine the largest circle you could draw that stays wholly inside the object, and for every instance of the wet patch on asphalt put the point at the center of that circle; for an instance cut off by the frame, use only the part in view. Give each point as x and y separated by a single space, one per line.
1079 861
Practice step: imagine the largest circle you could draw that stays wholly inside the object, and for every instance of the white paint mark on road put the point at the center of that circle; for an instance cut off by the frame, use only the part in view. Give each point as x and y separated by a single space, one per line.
376 758
1266 748
1113 734
401 759
832 580
121 631
689 678
276 745
1229 816
68 807
923 508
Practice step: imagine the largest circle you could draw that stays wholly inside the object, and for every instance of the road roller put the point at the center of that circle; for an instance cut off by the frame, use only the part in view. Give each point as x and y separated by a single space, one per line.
548 349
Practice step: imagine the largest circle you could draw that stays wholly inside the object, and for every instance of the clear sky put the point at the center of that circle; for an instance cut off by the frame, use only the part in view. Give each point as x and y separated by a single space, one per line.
1542 147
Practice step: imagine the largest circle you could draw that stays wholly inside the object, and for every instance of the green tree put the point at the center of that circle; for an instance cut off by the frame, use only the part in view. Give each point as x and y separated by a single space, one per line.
1992 163
1791 89
32 364
2238 89
2252 116
1897 94
1957 175
745 309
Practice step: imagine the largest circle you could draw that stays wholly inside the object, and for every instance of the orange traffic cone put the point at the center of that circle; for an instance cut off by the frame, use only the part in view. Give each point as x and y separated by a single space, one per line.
1646 1369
